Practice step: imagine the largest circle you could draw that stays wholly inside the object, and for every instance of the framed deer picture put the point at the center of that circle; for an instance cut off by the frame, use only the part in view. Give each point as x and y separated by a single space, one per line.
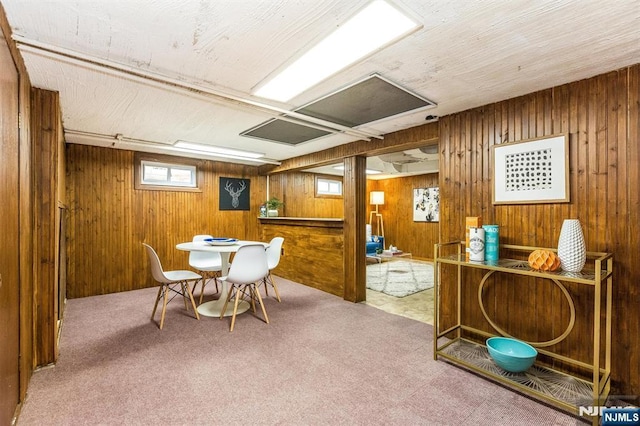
234 194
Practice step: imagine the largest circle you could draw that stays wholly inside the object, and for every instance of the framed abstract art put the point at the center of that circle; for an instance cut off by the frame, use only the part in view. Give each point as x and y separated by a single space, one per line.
532 171
426 204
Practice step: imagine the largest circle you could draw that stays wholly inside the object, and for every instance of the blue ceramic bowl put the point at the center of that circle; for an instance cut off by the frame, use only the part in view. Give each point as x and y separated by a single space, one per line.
511 354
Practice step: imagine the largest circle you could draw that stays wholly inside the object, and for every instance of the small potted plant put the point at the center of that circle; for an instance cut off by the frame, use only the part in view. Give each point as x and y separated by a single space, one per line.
273 204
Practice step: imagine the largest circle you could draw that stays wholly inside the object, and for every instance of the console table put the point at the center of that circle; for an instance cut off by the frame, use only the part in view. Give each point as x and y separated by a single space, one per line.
539 381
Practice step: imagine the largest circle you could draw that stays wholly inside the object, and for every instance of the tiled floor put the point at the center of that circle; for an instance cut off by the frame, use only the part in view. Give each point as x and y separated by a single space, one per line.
418 306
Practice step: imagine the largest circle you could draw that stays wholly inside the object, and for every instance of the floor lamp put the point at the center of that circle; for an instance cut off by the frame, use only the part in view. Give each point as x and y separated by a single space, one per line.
377 198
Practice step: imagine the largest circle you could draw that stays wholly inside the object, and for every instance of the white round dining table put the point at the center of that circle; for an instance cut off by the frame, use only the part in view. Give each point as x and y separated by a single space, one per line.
214 307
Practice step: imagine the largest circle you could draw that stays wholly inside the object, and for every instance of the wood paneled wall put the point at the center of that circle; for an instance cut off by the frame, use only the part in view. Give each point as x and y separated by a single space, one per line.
47 154
10 234
313 252
400 230
17 162
27 231
601 116
354 253
297 191
109 219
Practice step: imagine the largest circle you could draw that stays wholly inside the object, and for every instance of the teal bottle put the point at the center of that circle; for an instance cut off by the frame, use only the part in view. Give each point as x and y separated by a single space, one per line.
491 244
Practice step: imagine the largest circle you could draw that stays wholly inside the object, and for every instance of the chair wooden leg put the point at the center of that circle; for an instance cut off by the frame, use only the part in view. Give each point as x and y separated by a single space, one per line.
155 307
193 302
252 290
195 284
235 311
203 283
183 291
207 276
164 306
226 302
265 283
275 287
264 311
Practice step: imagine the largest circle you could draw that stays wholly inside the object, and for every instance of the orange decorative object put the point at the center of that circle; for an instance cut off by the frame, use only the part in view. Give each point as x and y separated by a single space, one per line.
544 260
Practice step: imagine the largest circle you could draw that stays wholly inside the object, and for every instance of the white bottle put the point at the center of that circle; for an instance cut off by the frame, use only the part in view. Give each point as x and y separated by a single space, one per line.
476 244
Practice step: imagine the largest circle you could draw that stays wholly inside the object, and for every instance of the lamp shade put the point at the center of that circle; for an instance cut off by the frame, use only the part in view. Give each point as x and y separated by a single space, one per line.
376 197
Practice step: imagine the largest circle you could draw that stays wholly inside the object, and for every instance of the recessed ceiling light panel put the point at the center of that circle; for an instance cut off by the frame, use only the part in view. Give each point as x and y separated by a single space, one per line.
210 149
374 27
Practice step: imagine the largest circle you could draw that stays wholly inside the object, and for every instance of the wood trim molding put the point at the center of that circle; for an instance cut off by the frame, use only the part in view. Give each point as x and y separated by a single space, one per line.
304 221
415 137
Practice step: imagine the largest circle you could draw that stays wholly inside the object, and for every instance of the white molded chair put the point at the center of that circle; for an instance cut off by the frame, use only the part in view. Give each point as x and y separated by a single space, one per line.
176 281
208 264
249 267
273 258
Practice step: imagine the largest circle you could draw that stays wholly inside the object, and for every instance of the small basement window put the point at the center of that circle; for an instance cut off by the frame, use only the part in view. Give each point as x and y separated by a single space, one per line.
168 174
327 187
162 173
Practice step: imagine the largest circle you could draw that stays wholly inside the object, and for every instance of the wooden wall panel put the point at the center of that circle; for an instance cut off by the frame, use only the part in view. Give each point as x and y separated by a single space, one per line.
297 191
24 168
46 134
313 252
10 235
400 230
109 219
601 117
354 253
27 264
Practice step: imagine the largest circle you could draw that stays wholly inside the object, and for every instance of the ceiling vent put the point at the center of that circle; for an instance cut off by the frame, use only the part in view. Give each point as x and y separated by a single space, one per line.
369 100
366 101
282 131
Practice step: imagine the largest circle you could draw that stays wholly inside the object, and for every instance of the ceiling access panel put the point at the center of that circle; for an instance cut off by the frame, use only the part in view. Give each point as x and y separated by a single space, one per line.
282 131
371 99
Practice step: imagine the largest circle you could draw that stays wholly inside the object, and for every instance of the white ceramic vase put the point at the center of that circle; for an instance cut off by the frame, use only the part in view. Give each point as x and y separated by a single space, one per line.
571 248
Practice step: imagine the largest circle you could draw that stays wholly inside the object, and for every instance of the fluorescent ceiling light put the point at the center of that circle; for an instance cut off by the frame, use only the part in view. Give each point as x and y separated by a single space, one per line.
372 28
367 171
209 149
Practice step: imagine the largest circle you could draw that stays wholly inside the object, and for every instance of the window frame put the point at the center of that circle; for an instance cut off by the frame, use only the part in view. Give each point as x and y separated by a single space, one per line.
331 179
167 161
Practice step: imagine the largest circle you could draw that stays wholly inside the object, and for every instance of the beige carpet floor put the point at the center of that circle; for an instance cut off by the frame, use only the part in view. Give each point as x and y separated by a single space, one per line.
320 361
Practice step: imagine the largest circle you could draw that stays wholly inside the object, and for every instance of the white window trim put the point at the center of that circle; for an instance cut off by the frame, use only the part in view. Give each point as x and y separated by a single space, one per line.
171 163
330 182
192 183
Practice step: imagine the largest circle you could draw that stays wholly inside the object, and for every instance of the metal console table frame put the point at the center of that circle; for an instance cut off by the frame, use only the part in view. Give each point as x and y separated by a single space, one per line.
558 388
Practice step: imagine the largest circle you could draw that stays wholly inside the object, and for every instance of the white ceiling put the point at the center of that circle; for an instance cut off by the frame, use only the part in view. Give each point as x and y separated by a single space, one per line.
159 71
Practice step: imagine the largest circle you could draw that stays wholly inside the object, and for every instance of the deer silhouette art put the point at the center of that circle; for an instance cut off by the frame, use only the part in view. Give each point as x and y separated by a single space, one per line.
235 193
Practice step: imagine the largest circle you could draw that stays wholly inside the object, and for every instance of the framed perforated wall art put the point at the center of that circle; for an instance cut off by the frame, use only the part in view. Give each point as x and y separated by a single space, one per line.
531 171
